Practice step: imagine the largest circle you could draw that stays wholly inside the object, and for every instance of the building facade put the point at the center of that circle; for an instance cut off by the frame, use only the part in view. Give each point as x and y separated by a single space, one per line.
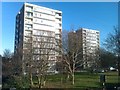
38 37
87 42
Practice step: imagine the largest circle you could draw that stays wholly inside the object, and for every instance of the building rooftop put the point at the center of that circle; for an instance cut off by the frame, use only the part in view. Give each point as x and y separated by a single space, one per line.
43 7
89 29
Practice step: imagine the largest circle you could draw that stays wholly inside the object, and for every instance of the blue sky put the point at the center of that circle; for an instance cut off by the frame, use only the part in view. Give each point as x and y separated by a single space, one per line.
100 16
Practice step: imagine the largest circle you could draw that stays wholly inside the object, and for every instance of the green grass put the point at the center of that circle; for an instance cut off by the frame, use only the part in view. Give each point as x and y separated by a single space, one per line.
111 77
82 80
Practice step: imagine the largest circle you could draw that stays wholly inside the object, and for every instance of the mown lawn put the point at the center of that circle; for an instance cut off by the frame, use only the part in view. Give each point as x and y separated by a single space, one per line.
111 77
82 80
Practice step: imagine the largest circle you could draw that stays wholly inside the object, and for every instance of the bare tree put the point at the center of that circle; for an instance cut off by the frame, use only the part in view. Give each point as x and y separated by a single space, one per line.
7 67
93 58
38 60
27 62
73 55
69 57
105 56
44 66
7 53
112 43
7 62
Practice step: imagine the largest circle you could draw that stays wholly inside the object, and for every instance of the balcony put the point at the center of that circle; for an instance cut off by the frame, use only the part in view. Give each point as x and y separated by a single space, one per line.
29 8
57 16
28 22
29 15
28 28
58 21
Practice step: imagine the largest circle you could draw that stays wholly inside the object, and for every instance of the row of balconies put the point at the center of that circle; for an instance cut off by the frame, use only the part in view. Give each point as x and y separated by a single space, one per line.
29 7
43 45
29 21
90 35
90 45
90 31
43 16
37 51
43 27
39 57
41 24
43 33
58 20
91 40
43 10
44 22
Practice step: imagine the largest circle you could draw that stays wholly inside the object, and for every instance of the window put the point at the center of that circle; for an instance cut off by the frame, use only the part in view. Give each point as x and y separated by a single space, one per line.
28 33
28 26
29 20
29 14
36 57
29 8
60 25
35 32
35 14
27 39
59 19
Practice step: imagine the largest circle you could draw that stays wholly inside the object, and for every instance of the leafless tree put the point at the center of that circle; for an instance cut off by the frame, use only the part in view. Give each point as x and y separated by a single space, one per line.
69 59
112 44
7 67
73 55
44 63
27 62
38 59
7 53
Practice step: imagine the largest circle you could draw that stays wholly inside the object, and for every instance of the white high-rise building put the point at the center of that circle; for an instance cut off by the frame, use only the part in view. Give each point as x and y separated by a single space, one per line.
86 41
90 46
38 36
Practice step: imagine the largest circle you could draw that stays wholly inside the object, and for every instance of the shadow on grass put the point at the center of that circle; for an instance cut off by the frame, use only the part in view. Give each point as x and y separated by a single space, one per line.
112 86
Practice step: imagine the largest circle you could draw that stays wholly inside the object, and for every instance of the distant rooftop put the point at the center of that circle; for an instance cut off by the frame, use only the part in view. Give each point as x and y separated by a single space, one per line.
89 29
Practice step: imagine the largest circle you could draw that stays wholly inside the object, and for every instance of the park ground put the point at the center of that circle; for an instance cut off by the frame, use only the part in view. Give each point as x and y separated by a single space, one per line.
85 80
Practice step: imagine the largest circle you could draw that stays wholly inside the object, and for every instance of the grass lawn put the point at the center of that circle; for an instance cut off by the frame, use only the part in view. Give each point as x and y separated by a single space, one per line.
82 80
111 77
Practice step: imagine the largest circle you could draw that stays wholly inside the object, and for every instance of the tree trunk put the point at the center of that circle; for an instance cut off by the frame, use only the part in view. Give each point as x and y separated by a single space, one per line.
73 76
118 65
61 79
68 76
38 81
40 85
73 79
44 82
31 81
